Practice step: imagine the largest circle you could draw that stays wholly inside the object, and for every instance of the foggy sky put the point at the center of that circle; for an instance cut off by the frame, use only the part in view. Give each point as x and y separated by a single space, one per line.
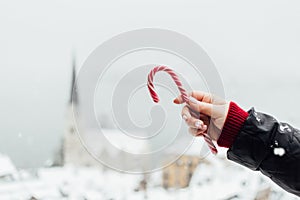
255 47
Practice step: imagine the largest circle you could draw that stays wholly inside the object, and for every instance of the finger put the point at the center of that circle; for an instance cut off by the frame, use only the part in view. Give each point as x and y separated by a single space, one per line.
198 95
194 113
196 132
202 96
178 100
202 107
205 119
190 120
197 115
185 113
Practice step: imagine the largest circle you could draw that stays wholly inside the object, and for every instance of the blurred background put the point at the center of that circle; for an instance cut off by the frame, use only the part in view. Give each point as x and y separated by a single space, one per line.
254 45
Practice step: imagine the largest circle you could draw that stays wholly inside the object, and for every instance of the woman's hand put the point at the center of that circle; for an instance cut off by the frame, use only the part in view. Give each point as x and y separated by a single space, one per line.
204 113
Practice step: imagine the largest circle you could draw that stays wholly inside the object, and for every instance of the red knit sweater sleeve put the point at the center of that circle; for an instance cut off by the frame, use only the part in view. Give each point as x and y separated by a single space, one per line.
234 121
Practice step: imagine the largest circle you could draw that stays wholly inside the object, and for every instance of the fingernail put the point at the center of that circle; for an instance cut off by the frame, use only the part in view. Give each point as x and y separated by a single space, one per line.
198 124
176 101
184 117
193 100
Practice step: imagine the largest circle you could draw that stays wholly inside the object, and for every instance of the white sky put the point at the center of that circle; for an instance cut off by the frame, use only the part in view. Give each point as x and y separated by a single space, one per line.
257 39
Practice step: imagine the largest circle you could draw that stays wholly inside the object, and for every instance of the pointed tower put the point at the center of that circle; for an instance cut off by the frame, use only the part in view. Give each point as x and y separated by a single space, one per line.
65 151
72 145
73 95
73 151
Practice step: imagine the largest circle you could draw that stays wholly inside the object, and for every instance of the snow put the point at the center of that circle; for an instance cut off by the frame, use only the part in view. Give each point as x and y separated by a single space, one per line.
217 178
126 143
197 147
7 167
279 151
117 139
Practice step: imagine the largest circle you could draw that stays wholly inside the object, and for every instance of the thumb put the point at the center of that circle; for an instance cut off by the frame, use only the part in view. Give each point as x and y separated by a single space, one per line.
201 107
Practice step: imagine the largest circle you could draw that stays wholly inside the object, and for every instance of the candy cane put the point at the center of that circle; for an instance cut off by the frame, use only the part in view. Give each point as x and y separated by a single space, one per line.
183 93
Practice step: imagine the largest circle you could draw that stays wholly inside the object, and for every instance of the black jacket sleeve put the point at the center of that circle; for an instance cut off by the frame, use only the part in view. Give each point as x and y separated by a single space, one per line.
271 147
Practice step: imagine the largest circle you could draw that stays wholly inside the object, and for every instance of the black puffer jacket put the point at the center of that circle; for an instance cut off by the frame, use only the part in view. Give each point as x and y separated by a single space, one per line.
271 147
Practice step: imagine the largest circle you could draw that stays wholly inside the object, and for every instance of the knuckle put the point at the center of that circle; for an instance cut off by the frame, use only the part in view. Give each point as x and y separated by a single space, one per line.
189 120
183 111
186 107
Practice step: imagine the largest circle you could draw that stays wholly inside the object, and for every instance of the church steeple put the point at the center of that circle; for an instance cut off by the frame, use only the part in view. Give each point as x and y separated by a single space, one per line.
74 92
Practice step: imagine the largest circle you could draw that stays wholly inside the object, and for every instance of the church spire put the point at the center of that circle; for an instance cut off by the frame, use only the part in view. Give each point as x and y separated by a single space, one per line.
74 92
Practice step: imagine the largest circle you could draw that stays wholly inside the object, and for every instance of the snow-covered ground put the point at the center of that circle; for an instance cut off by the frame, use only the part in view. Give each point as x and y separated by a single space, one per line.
220 179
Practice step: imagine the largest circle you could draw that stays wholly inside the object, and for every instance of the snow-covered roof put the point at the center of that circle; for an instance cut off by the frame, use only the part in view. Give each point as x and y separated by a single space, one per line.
126 142
217 180
6 166
116 140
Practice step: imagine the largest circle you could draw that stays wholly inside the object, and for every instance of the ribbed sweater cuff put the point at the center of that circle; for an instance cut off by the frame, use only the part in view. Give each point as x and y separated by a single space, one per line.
234 121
